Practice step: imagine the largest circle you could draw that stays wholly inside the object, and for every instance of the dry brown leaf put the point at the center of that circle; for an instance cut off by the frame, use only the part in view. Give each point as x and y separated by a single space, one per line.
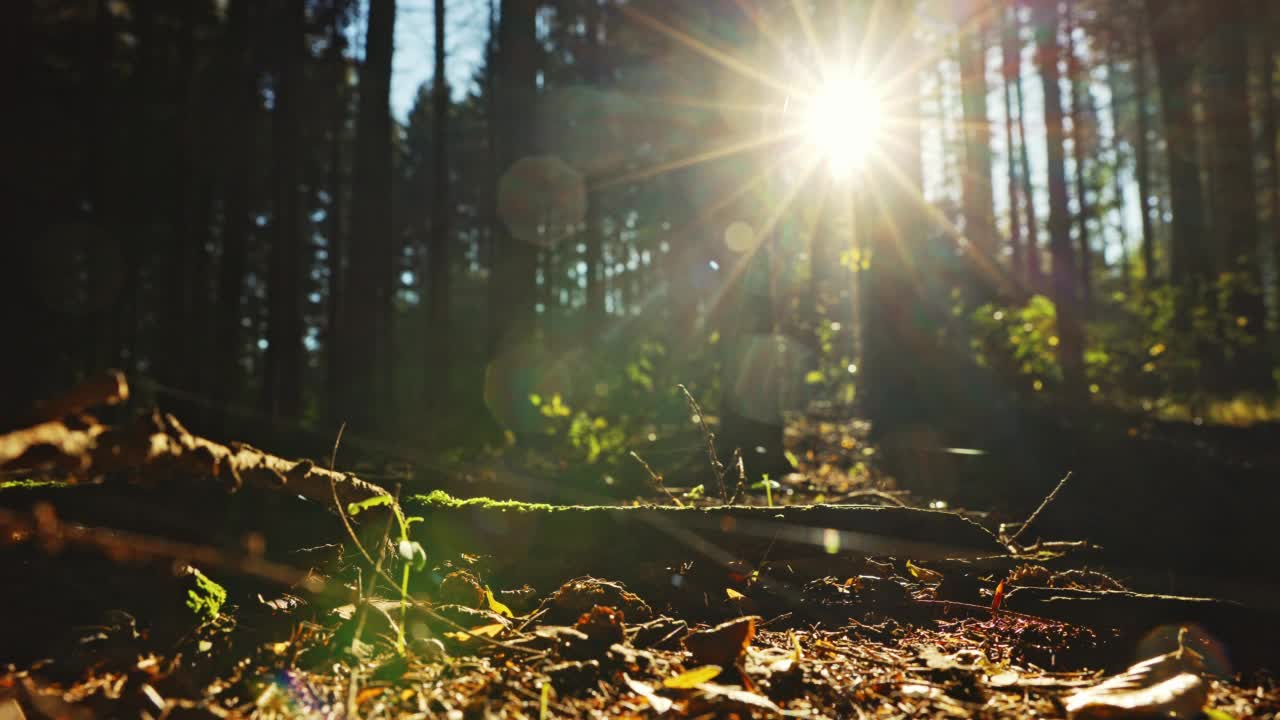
1165 686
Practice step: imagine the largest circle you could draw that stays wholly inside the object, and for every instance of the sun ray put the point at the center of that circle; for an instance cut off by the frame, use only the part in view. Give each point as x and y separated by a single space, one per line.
693 43
741 146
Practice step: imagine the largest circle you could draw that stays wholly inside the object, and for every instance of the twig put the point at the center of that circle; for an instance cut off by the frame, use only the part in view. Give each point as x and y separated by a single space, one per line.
741 490
871 492
1043 504
717 467
656 478
418 604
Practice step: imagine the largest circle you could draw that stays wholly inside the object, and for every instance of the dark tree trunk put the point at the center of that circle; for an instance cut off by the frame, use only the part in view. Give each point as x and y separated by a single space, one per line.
104 261
366 337
1142 154
977 195
241 106
1010 46
29 373
1188 262
1064 291
1270 128
1117 150
438 360
282 384
1035 267
595 199
335 216
512 289
1080 154
1234 198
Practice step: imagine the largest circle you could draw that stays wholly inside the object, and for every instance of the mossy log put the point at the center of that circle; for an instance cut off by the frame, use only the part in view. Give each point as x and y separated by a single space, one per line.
526 540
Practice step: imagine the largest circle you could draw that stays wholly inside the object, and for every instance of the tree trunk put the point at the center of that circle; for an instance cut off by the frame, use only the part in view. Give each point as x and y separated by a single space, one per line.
512 289
1234 198
438 360
1142 155
336 244
595 198
1117 151
240 108
1270 127
366 337
977 196
1064 291
1035 267
1009 49
1079 138
1188 261
282 384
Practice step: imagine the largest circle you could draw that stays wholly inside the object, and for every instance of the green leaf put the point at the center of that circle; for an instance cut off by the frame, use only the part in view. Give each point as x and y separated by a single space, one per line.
411 551
791 458
356 508
496 605
813 377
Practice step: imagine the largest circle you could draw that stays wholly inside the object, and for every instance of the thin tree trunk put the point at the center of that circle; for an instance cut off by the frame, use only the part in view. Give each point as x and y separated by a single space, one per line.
595 200
336 242
512 292
1009 48
1234 196
282 383
366 336
976 188
438 360
1142 153
1065 295
1117 150
241 107
1035 267
1266 10
1079 139
1188 263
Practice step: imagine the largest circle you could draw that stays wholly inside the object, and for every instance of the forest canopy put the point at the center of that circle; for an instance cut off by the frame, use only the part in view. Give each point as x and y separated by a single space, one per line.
930 210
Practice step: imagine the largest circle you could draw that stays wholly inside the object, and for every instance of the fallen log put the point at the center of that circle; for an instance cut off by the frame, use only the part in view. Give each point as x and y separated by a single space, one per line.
526 540
157 448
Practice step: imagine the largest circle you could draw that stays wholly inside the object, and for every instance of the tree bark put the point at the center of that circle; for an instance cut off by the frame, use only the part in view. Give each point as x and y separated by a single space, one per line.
1270 128
240 108
1010 46
1188 262
1234 198
1079 137
1117 150
1035 267
283 365
977 195
1064 291
1142 155
366 336
336 241
512 288
438 359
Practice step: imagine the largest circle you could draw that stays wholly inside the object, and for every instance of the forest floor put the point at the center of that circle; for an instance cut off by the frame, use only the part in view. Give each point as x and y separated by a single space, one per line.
176 599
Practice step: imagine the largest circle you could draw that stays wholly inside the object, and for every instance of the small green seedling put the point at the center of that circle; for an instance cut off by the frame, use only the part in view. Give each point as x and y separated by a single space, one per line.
411 553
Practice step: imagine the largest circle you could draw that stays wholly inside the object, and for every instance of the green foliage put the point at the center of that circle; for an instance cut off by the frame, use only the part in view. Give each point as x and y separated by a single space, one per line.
412 555
206 599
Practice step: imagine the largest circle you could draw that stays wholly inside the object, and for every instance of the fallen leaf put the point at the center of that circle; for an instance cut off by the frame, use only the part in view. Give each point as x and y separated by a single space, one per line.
1163 686
723 644
496 605
690 679
998 598
659 704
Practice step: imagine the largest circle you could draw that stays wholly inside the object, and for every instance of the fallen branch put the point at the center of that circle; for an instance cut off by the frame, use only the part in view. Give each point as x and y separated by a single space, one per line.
158 447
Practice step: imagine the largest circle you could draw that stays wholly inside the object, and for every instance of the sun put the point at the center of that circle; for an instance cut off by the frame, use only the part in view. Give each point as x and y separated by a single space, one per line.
843 121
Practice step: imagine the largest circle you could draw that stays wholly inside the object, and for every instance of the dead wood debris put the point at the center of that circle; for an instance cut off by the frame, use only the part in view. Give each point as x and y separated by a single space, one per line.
159 447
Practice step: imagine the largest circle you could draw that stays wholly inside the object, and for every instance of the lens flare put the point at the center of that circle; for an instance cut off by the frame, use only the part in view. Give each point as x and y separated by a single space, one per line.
843 121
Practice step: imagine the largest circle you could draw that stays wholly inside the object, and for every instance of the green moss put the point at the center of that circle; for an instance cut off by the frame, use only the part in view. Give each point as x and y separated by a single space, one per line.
442 499
206 597
29 484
